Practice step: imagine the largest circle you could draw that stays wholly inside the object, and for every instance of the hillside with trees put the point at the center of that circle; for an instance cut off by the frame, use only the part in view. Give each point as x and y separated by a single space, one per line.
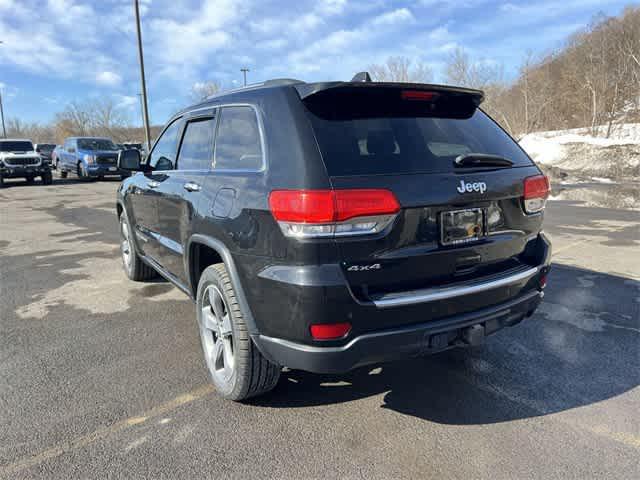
593 81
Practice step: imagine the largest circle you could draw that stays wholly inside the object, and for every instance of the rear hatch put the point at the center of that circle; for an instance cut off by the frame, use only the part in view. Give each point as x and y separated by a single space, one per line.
458 177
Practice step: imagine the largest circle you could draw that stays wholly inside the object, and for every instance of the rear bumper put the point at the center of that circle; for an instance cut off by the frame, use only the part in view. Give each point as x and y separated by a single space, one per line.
392 344
387 326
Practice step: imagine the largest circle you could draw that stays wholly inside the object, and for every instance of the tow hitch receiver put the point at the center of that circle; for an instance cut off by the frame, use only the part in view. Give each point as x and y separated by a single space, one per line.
473 335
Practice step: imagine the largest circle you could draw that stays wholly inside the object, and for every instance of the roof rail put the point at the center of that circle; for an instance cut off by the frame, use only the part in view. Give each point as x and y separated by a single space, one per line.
267 83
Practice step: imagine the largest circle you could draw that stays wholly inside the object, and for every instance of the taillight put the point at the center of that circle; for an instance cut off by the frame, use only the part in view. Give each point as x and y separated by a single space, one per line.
330 331
332 213
536 191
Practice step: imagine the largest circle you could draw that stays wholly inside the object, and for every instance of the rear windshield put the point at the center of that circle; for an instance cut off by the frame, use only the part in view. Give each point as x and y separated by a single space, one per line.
11 146
398 145
96 144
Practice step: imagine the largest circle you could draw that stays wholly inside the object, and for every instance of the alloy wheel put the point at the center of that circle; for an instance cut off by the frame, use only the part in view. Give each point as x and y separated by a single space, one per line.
217 335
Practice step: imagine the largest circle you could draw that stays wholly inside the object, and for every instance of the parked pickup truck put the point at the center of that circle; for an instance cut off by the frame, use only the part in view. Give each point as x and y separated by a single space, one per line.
18 159
89 158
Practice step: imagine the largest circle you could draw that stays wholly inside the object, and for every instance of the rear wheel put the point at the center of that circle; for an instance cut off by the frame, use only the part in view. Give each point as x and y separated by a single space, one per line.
237 368
134 267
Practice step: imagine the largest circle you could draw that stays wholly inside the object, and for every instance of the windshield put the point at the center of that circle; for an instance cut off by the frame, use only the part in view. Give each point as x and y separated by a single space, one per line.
46 148
398 145
96 144
19 146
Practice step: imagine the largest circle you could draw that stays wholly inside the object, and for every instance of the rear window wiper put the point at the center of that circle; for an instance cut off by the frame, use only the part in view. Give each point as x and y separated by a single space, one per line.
471 160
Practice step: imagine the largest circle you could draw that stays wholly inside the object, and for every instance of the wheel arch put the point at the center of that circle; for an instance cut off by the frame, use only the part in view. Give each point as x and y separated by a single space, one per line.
216 251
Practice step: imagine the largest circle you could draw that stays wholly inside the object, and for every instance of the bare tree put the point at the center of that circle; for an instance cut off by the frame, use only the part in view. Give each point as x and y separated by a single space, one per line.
479 74
203 90
399 69
92 117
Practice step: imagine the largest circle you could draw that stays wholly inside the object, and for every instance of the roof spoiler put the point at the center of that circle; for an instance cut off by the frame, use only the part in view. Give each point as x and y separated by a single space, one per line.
374 98
306 90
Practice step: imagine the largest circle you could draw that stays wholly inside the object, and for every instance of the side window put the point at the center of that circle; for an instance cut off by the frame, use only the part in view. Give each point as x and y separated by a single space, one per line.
196 151
163 155
238 141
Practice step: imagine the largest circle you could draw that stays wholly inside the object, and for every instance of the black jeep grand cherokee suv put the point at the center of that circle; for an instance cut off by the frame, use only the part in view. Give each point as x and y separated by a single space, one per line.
325 226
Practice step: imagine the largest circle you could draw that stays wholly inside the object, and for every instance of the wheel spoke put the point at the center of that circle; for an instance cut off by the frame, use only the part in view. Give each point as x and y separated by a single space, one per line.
225 326
219 355
209 320
217 303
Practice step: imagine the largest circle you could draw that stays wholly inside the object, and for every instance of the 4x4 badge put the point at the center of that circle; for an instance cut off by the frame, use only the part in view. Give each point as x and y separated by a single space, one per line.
472 187
364 268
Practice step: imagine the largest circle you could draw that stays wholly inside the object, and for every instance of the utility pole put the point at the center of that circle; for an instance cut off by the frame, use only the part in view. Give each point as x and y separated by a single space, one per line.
145 110
244 74
4 129
141 108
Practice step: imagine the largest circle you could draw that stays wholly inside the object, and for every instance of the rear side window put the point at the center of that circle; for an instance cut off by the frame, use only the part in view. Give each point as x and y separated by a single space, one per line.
196 152
353 145
238 145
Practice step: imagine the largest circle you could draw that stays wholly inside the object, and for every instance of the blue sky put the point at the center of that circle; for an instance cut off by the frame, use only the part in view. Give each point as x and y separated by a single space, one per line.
57 51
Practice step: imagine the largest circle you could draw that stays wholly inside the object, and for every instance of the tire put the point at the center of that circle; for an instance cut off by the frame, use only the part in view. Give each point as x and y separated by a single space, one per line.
1 181
29 180
134 267
236 366
47 178
63 174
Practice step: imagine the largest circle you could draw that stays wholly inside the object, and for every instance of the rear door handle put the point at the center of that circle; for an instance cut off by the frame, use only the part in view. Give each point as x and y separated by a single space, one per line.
192 187
152 184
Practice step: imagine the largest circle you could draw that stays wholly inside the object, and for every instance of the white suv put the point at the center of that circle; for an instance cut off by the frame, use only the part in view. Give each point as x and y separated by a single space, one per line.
19 159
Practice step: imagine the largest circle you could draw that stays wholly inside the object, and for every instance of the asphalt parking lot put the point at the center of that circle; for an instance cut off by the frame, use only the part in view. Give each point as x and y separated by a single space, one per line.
102 377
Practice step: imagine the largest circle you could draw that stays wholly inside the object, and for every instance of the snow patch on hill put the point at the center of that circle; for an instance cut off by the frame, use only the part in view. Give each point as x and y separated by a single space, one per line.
578 154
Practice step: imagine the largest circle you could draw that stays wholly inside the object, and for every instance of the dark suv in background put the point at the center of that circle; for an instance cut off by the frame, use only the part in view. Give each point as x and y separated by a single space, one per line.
325 226
89 158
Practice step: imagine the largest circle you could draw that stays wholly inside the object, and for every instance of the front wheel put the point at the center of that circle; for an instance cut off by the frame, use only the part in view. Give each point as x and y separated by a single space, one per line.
237 368
47 178
134 267
63 174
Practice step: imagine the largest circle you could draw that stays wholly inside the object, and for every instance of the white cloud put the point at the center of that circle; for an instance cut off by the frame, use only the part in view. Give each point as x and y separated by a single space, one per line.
108 79
125 101
395 17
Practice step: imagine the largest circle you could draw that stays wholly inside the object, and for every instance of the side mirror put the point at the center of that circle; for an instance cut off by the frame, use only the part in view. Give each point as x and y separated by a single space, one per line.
130 160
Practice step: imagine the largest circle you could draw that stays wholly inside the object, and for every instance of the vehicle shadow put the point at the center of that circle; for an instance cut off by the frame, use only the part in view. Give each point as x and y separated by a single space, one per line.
581 347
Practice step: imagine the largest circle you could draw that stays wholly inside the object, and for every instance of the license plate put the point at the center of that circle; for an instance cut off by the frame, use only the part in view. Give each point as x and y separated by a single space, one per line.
461 226
112 169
